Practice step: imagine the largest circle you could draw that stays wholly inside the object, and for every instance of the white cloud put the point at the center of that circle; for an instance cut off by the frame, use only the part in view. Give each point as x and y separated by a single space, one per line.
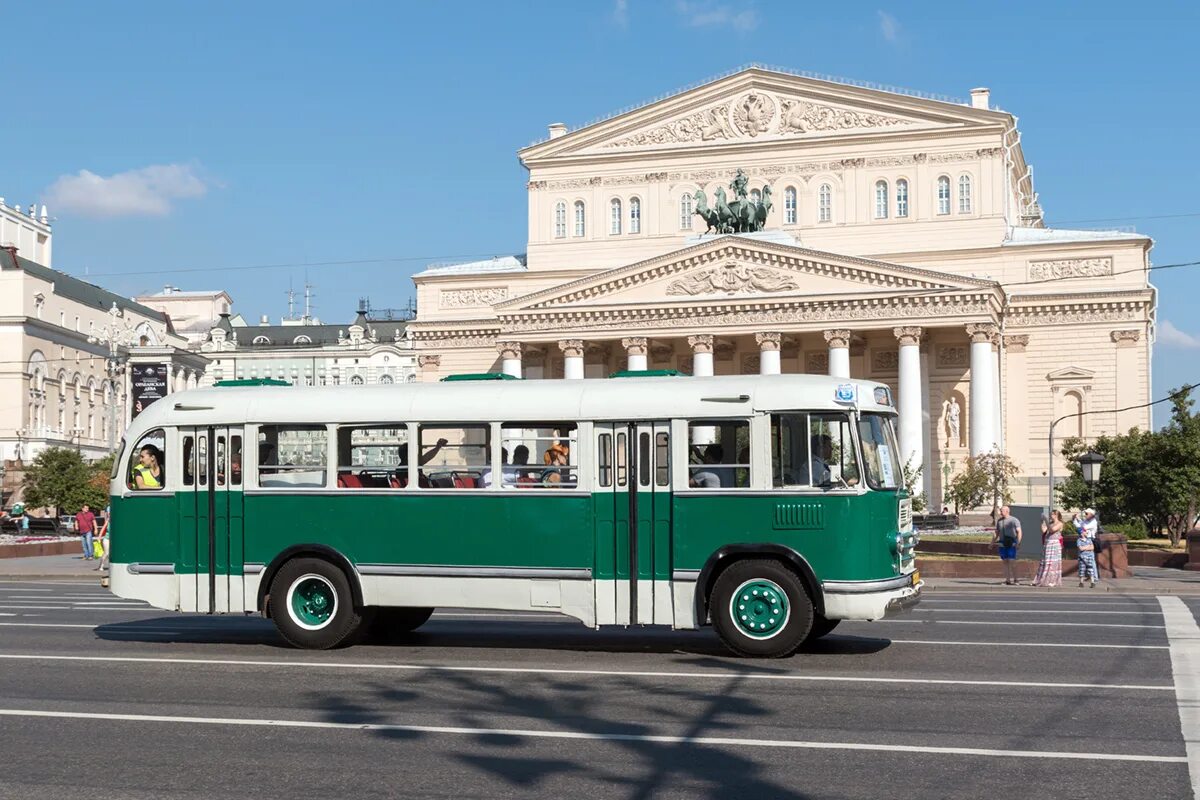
148 191
706 14
1170 336
620 13
889 27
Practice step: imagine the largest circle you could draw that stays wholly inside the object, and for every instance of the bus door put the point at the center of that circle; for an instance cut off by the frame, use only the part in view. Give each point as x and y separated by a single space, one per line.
633 523
211 531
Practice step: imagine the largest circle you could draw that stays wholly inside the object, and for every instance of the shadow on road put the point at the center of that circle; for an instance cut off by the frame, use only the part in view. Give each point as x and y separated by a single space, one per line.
475 634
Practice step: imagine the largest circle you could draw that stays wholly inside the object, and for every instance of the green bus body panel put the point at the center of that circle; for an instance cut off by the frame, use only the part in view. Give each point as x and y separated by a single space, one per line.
546 529
855 542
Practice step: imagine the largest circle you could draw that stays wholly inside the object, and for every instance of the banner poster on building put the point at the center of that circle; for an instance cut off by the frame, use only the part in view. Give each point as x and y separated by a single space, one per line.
149 384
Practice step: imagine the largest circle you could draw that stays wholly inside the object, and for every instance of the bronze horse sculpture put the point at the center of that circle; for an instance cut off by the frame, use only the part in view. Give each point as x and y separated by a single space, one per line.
741 215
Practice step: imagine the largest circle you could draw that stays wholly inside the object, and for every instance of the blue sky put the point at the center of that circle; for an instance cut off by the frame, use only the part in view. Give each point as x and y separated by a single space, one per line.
248 134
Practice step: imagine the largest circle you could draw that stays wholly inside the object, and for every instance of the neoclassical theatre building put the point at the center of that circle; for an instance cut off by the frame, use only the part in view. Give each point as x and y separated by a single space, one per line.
898 238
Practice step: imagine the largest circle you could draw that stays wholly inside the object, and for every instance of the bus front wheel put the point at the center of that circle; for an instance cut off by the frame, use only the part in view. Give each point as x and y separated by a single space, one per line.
760 608
312 605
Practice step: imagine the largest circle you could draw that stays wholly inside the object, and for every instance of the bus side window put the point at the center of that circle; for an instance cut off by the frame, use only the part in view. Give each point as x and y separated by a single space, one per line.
789 450
235 461
622 459
147 462
662 459
189 460
372 458
834 457
537 455
453 456
202 459
604 459
220 461
719 454
292 456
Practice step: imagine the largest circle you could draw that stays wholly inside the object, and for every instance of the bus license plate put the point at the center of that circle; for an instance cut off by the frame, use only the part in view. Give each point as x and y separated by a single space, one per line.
916 577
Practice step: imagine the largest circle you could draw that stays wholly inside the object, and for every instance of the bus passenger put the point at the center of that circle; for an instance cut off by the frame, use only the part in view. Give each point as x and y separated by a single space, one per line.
147 474
713 477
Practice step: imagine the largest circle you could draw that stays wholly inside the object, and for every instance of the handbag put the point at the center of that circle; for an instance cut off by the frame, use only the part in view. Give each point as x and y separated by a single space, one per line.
97 549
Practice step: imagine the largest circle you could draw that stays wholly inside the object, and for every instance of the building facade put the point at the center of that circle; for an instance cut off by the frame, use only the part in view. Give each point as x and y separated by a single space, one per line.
900 240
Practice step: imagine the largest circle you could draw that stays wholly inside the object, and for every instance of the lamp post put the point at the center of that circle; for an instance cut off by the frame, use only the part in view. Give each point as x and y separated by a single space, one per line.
1089 465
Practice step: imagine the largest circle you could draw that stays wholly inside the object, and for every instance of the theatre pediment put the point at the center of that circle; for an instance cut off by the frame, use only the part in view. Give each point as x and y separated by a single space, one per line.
760 105
736 267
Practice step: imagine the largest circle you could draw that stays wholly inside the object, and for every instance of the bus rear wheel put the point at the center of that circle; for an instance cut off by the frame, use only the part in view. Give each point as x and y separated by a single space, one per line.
312 605
388 623
760 608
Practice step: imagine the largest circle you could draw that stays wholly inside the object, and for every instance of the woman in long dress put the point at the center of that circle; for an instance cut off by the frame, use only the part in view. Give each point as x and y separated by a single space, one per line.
1050 570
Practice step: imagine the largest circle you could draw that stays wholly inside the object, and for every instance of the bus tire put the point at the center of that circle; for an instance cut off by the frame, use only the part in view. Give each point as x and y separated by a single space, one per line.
312 605
759 608
821 626
389 623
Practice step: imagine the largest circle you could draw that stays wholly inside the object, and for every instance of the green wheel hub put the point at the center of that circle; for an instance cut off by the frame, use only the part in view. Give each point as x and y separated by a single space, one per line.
759 608
313 601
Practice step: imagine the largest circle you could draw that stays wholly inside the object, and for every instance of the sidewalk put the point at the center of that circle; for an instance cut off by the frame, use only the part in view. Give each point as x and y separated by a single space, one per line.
1145 580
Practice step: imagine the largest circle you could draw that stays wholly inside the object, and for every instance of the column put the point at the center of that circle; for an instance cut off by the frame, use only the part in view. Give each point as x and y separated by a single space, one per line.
1016 401
1130 381
635 352
997 404
839 352
768 357
912 454
982 430
572 350
510 358
927 430
429 364
702 354
535 363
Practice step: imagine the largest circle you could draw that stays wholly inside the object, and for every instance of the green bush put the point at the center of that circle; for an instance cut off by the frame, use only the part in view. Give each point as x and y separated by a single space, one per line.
1133 530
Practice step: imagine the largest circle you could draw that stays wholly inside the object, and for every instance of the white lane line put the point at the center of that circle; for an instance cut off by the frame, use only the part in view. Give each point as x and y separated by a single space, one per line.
614 673
130 627
480 615
1183 635
1032 644
83 608
1006 623
715 741
7 615
1065 611
989 604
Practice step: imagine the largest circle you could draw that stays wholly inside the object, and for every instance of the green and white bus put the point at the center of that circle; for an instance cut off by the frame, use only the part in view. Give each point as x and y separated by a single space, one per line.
770 507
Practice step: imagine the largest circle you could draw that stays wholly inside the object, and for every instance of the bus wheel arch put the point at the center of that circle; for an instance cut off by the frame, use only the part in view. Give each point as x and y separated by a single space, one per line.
320 551
729 555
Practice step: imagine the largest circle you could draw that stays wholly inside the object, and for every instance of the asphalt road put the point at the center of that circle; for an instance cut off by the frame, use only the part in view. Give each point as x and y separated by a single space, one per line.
977 694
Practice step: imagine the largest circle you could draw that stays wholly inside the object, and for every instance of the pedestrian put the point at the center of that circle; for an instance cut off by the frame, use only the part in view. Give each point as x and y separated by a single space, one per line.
1008 537
85 524
1050 570
1089 530
102 535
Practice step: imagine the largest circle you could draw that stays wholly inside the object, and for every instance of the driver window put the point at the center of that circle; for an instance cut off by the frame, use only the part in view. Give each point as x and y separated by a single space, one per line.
147 462
813 450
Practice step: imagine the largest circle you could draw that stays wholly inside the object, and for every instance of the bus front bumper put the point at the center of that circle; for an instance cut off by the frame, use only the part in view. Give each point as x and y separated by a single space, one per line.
871 600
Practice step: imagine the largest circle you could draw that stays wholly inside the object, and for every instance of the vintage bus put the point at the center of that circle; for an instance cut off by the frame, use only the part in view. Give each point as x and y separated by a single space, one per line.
770 507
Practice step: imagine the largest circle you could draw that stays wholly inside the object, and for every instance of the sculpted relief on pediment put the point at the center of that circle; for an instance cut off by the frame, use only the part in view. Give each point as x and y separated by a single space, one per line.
756 113
732 279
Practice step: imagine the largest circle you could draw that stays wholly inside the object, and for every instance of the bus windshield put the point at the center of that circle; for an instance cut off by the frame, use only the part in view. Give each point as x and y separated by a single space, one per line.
880 454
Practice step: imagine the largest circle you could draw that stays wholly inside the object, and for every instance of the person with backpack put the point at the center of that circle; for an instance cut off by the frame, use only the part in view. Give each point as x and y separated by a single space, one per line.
1008 537
1087 544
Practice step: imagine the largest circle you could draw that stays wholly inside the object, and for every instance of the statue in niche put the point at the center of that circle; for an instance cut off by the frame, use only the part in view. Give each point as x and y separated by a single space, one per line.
953 414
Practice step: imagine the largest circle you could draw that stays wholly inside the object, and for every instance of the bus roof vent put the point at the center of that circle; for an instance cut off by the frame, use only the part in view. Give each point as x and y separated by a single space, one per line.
648 373
253 382
480 376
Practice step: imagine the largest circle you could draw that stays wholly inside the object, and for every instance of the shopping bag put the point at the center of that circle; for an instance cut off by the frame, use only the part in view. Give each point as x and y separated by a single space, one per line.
97 548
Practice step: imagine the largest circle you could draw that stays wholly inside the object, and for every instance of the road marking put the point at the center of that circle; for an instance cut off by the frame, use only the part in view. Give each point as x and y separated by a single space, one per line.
1089 625
1034 644
715 741
1183 635
127 627
7 615
740 674
1093 604
78 607
1153 612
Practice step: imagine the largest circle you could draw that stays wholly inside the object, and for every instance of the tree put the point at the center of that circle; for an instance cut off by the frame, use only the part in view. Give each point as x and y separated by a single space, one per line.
984 476
912 475
61 478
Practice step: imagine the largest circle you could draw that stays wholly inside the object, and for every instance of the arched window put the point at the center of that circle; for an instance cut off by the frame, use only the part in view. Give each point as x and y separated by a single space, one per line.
902 198
302 340
789 205
261 340
964 194
560 220
635 215
943 194
825 203
881 200
385 378
356 380
614 217
580 219
686 212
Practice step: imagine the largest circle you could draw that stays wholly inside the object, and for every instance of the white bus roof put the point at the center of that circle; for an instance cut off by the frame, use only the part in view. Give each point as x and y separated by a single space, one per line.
664 397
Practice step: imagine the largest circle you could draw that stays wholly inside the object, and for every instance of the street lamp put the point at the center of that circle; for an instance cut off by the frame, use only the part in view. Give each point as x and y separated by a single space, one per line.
1089 465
